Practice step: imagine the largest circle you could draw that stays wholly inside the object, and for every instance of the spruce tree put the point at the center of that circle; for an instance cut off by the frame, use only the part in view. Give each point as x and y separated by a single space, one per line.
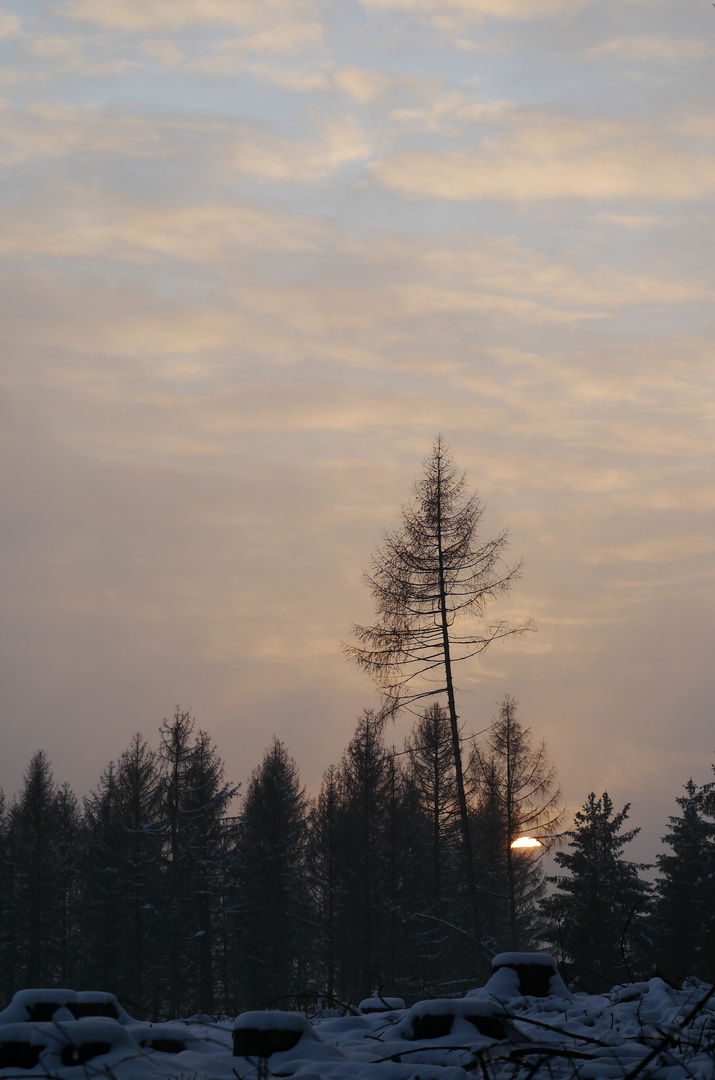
194 801
270 911
365 782
122 875
598 913
42 866
324 860
139 807
7 929
685 891
206 799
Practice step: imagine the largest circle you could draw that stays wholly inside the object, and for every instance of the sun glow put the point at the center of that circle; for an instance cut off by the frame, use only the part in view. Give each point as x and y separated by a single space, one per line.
526 842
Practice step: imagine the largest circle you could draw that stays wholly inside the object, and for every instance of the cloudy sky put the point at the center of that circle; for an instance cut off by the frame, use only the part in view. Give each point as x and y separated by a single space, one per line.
256 254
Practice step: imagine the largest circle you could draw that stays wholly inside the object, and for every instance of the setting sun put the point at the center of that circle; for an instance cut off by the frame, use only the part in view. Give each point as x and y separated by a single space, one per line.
526 842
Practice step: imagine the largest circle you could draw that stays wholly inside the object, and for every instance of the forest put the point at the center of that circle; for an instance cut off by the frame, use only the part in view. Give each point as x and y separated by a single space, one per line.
170 889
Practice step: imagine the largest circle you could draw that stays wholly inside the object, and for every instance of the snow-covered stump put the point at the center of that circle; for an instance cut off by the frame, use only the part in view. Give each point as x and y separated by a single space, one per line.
55 1045
43 1005
17 1050
372 1005
39 1006
262 1034
442 1018
98 1003
516 974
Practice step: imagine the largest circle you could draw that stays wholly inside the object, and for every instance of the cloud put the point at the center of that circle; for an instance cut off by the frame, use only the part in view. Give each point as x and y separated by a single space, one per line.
362 84
651 48
55 55
405 101
495 265
165 16
655 551
540 157
164 50
289 38
52 48
48 130
10 26
629 221
207 234
284 40
516 10
306 80
341 141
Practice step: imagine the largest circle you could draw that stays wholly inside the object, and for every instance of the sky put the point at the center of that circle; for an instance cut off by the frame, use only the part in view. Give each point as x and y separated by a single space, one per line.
255 256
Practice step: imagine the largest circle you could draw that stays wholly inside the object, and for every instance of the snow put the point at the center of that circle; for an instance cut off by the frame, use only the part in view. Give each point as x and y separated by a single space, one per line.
517 974
649 1029
516 959
380 1004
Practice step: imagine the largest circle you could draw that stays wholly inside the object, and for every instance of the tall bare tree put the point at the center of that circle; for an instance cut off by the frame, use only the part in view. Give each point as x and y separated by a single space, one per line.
432 580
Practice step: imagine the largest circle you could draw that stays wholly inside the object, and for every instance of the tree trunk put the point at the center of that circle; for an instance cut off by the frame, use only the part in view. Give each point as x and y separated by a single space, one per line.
453 718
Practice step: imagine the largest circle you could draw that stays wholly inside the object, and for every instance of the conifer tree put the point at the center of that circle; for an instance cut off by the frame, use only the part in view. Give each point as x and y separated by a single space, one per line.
139 810
102 907
437 904
598 913
206 799
123 895
194 801
67 885
41 866
7 929
271 914
324 860
685 891
516 793
402 963
365 778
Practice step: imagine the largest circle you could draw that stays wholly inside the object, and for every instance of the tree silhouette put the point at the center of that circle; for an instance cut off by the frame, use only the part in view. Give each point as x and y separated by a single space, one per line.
598 913
517 793
432 580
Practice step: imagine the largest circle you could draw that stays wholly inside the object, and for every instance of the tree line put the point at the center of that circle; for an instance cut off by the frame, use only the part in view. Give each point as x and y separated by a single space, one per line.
154 887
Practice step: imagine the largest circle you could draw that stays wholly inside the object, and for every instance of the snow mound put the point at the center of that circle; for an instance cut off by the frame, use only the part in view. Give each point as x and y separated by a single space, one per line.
453 1017
380 1004
43 1005
517 974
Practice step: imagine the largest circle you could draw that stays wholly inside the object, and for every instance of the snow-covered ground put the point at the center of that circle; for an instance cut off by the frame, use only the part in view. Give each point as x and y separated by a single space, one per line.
524 1023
